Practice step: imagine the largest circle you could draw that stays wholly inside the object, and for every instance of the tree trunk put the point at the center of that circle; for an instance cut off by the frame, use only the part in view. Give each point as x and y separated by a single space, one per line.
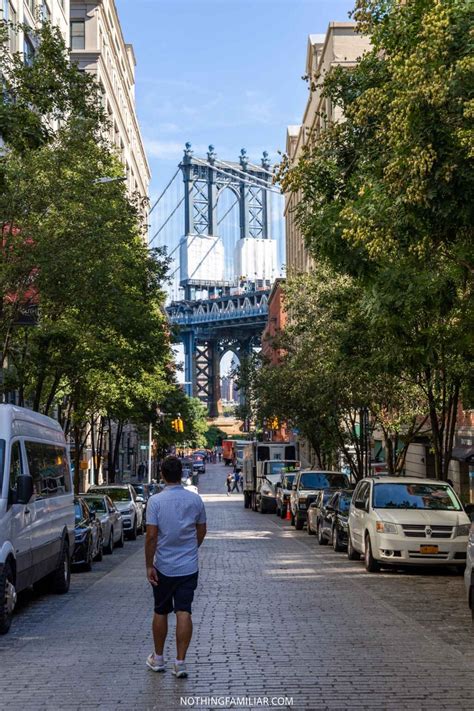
77 458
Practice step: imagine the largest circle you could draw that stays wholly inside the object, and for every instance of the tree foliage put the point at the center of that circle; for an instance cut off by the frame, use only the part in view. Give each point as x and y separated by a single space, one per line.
74 246
385 196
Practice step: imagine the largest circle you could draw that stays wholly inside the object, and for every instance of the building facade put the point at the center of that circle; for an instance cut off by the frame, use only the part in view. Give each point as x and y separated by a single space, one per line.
341 46
32 13
98 47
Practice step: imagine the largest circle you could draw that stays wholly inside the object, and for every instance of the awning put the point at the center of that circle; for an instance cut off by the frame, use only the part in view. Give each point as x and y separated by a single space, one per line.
463 453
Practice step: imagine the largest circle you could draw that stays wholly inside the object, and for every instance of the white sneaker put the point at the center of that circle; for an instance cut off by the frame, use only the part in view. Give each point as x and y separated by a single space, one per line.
179 671
153 663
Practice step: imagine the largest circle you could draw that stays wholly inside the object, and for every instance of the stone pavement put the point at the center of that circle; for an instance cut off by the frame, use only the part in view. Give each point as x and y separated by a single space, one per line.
278 620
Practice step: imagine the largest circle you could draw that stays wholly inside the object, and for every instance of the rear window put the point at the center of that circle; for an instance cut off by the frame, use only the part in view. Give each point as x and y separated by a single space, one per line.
49 467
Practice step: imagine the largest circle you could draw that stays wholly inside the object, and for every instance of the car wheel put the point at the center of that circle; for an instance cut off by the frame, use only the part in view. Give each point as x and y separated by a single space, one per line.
109 548
246 501
352 554
292 520
261 506
7 597
371 565
88 561
336 544
310 529
460 569
121 540
299 523
61 578
133 533
322 540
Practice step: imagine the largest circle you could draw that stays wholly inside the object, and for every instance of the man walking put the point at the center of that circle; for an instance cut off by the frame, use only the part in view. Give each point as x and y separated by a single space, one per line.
176 527
236 481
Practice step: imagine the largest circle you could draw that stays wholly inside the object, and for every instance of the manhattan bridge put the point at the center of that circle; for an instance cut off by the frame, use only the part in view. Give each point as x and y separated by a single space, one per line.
222 225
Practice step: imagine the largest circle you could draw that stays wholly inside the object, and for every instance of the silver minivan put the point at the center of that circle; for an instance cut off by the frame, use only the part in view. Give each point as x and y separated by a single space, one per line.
36 506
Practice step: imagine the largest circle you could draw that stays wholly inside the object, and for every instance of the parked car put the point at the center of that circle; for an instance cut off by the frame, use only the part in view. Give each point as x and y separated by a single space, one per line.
126 501
110 520
36 506
313 519
469 572
283 492
305 488
199 465
89 542
333 520
407 521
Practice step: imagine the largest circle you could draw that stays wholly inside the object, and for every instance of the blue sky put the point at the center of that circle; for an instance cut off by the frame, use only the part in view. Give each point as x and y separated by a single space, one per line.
226 72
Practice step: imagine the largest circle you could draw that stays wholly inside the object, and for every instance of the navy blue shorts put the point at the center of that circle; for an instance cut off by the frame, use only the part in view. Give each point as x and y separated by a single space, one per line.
174 593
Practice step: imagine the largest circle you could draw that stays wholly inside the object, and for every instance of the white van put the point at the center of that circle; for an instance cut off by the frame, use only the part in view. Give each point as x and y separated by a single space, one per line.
36 506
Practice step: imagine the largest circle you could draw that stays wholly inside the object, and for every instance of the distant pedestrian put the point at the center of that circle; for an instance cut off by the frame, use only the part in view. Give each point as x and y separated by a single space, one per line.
176 527
228 481
241 482
236 482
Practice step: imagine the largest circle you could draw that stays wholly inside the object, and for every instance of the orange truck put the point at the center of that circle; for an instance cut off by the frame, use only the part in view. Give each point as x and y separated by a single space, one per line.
228 451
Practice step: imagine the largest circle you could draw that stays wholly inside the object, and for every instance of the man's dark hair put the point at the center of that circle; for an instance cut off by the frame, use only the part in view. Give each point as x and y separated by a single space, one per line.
172 470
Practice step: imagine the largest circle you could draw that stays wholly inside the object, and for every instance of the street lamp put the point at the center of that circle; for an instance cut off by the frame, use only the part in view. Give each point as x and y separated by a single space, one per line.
108 179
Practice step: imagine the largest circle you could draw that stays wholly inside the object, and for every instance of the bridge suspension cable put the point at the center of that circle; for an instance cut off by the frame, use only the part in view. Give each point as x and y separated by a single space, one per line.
227 212
251 180
164 191
176 208
248 175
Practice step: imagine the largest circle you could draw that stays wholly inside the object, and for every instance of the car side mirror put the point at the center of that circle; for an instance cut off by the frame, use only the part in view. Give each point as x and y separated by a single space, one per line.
24 489
294 487
359 505
92 515
140 500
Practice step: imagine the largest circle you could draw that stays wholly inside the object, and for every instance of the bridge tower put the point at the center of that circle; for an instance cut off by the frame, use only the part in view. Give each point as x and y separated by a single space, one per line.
209 298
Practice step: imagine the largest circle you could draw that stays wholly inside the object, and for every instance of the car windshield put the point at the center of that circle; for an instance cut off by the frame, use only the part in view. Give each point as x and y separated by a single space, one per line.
344 502
116 494
78 511
322 480
96 504
415 495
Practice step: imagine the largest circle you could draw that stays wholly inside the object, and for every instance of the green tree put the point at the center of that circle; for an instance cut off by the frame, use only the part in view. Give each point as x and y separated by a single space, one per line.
100 350
384 195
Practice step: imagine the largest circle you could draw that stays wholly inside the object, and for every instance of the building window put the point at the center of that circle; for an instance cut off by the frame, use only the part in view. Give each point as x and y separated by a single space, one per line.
30 4
45 12
28 50
9 15
78 34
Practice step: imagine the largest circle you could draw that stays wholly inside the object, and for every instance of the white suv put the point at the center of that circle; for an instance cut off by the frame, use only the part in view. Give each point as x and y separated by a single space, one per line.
407 521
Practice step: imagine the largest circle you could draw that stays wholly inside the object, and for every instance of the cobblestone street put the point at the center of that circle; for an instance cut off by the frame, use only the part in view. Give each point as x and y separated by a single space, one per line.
275 615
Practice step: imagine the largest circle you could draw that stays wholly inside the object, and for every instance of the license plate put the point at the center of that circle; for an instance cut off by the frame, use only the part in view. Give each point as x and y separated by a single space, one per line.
428 549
